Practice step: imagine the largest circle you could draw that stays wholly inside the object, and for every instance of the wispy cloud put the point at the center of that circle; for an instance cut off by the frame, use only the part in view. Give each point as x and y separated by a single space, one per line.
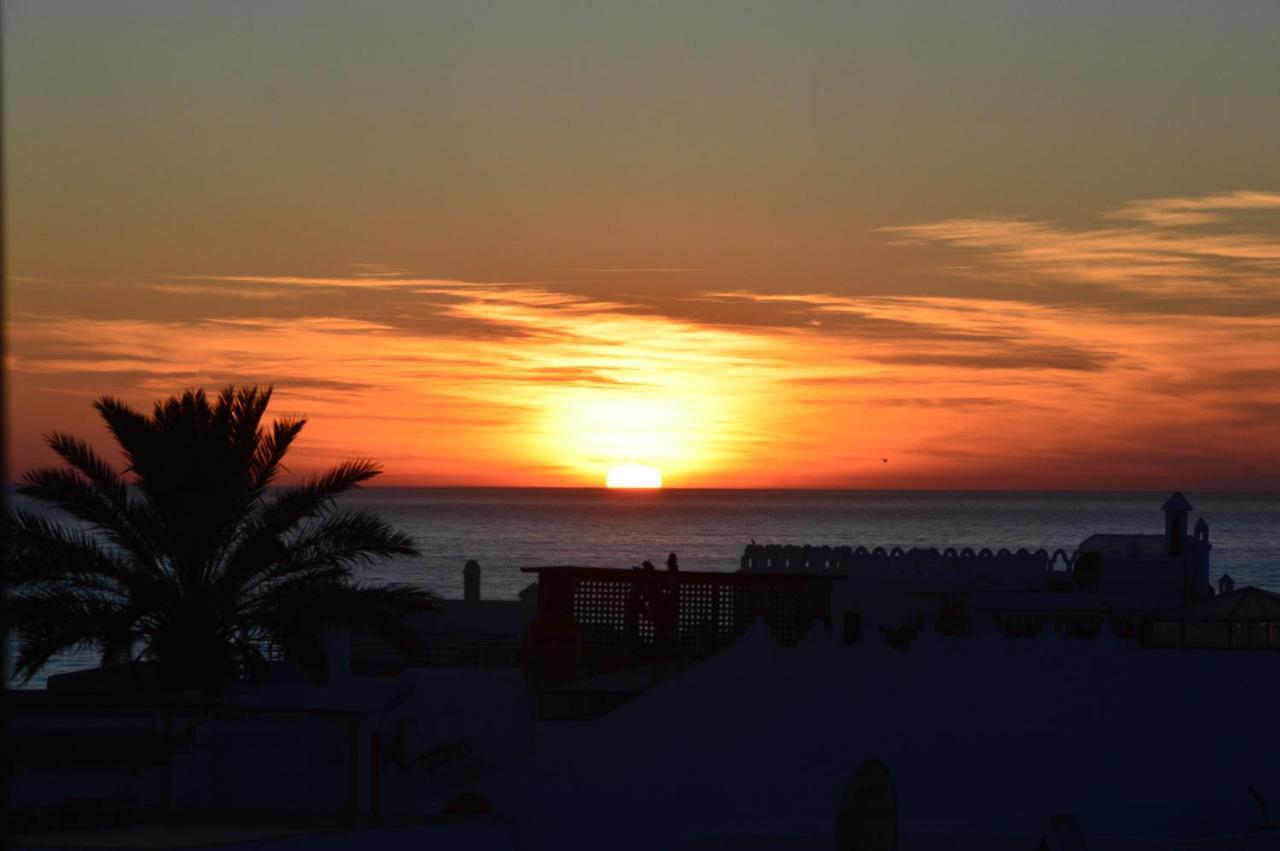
252 293
1203 210
466 382
365 281
631 269
1200 246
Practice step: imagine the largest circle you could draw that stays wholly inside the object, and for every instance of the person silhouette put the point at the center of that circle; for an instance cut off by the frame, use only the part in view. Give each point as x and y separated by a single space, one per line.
672 563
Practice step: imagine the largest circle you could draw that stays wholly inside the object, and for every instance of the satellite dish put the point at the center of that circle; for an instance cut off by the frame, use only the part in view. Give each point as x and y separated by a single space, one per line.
550 649
867 817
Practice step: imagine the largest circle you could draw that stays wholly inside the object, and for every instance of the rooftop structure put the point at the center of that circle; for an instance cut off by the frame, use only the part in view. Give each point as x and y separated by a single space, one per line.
1248 618
628 617
1110 577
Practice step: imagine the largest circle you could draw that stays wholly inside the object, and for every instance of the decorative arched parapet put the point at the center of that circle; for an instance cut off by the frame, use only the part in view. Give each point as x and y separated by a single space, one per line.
1061 554
897 552
967 552
860 552
950 552
879 552
1003 553
843 556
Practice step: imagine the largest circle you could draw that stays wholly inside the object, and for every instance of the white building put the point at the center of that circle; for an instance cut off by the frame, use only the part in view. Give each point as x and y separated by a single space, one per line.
1117 578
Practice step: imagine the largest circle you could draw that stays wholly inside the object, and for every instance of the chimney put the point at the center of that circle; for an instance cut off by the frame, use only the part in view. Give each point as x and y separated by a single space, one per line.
471 581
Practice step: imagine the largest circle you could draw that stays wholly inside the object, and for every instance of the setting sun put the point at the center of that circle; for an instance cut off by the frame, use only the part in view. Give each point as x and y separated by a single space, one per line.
634 476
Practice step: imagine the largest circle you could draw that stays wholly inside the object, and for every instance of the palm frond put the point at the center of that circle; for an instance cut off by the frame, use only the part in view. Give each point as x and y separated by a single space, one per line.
48 623
347 539
261 538
296 613
131 429
124 523
198 566
327 548
271 451
317 494
90 464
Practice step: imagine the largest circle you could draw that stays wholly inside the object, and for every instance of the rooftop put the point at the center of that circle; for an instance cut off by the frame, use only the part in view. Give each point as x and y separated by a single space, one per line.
1244 604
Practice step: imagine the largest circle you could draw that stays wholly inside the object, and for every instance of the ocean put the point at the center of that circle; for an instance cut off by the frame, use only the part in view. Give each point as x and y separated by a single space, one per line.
506 529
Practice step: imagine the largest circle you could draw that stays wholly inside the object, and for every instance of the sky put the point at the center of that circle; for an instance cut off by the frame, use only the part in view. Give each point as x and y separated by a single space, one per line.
999 244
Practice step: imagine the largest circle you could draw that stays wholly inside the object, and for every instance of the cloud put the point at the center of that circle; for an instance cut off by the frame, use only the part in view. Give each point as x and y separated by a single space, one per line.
971 333
1206 209
365 281
632 269
505 383
1198 247
254 294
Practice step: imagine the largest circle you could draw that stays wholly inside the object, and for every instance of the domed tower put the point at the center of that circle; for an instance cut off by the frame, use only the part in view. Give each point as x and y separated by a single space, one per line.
1193 553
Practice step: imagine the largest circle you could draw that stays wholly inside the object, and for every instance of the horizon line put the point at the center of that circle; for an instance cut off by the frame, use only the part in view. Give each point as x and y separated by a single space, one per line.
1153 490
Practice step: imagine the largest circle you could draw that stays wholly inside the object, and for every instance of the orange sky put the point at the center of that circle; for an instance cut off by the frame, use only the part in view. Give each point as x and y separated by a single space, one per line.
452 382
763 250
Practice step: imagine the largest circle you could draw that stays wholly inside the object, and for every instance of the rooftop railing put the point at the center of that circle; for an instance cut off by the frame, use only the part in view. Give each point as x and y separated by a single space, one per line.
629 617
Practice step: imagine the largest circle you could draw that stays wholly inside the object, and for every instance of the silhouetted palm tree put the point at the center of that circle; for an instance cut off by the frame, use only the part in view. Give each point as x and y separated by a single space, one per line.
193 561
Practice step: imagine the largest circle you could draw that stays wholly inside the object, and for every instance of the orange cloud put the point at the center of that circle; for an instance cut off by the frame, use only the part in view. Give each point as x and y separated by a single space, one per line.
1206 209
1173 247
462 383
1164 377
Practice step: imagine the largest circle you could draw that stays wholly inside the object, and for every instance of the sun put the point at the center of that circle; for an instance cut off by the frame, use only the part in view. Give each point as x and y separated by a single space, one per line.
634 476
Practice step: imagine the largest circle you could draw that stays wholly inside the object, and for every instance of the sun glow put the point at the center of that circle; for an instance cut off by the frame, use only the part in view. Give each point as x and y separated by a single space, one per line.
634 476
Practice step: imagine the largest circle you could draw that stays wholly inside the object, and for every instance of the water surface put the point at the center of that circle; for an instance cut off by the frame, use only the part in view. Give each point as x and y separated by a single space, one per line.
506 529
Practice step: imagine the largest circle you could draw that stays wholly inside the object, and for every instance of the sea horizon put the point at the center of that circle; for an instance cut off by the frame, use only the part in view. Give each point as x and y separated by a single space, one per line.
506 529
1120 491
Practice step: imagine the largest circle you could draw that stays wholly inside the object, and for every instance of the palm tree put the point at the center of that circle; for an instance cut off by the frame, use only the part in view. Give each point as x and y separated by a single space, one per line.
188 558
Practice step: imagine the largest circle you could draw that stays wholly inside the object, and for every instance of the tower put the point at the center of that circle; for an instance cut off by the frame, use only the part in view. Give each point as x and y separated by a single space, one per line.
471 581
1201 545
1175 508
